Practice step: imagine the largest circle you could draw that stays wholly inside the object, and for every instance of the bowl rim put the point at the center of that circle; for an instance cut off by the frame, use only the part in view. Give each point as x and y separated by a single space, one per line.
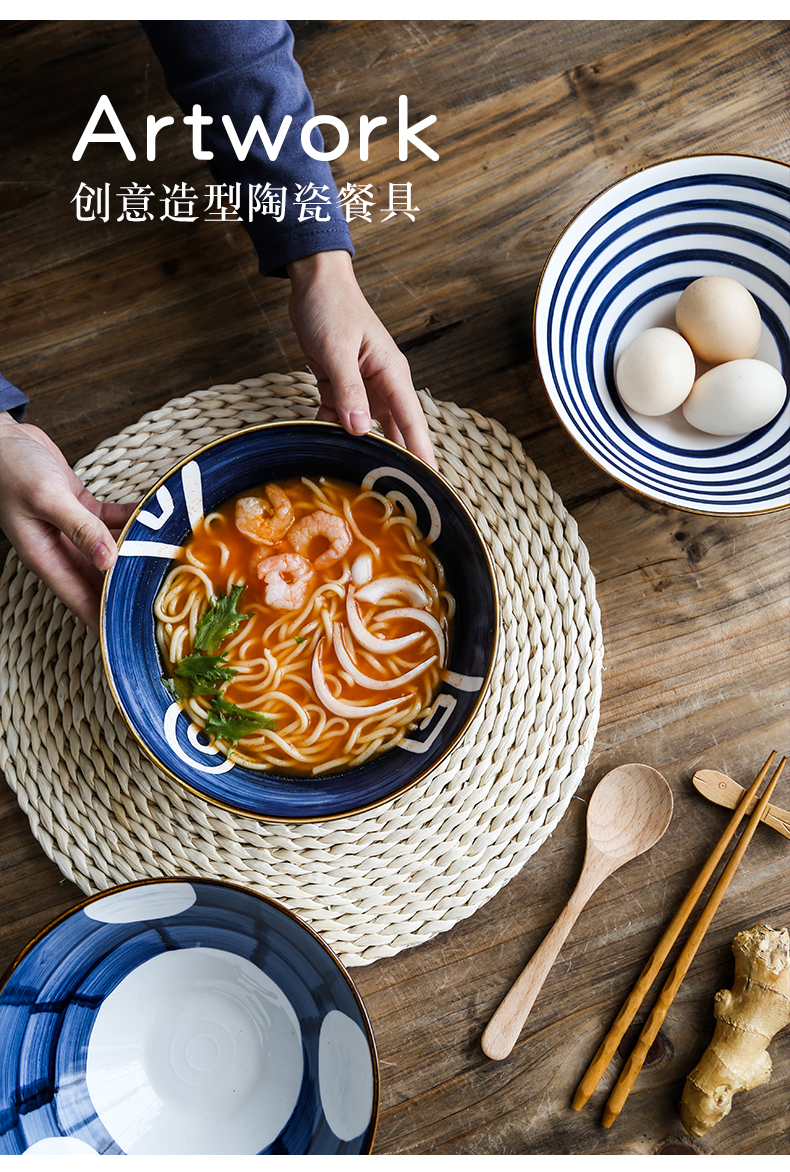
641 493
422 773
266 899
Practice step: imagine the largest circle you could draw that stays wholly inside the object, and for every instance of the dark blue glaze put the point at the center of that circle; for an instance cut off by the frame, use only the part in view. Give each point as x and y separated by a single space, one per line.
51 997
227 467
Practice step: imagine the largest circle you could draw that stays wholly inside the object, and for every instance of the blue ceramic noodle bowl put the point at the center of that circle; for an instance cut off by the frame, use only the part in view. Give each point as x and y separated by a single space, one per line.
160 526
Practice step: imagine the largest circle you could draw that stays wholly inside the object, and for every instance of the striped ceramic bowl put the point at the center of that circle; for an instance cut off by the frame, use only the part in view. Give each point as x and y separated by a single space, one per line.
619 268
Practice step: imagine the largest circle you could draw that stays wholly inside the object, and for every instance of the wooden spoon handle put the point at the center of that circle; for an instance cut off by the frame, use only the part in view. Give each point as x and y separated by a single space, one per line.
651 970
501 1033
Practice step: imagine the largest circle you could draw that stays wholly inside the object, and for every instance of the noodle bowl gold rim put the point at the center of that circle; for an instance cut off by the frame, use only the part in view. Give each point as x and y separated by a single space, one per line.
420 773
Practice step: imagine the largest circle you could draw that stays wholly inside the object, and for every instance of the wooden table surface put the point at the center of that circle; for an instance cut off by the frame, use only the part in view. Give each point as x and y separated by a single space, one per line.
102 322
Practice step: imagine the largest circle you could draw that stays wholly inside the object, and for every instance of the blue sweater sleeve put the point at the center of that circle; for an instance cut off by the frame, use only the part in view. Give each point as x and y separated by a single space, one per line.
12 399
245 68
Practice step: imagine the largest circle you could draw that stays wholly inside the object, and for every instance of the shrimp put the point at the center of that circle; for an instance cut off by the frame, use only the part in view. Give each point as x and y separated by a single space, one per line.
321 524
287 577
262 527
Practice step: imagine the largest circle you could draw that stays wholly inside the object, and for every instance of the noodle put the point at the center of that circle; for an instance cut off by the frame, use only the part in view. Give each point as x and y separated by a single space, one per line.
340 637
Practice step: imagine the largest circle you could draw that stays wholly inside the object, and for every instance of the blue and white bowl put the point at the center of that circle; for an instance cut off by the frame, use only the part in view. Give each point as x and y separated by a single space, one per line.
164 520
184 1017
619 268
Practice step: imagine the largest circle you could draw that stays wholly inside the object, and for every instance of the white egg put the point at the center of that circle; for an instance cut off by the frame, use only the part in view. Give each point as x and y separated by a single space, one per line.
719 319
655 372
735 397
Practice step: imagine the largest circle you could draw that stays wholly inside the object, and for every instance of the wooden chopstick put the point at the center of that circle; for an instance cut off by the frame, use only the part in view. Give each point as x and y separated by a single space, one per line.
653 1024
626 1015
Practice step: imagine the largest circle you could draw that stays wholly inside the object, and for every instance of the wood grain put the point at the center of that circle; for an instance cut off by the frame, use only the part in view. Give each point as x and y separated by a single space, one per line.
631 1005
103 322
725 792
629 812
647 1037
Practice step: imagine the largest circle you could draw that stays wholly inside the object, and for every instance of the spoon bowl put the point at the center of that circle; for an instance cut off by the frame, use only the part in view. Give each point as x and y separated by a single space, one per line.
629 811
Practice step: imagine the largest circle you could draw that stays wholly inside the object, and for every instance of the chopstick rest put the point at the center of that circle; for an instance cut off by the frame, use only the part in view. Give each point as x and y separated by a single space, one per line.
653 1024
626 1015
721 789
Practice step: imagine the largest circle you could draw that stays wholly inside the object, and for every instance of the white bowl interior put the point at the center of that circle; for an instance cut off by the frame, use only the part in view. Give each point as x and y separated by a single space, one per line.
618 269
195 1043
184 1017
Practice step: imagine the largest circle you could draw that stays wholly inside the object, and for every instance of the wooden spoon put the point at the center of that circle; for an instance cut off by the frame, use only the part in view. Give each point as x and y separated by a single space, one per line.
629 810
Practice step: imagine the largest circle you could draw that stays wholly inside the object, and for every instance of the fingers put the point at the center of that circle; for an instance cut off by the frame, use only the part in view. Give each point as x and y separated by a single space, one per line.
392 431
85 522
361 373
69 551
113 515
381 411
391 385
84 529
386 393
58 528
347 393
66 543
382 375
44 553
416 437
327 414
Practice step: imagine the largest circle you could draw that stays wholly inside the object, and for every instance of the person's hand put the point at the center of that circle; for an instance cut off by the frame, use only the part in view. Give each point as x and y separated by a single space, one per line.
58 528
360 371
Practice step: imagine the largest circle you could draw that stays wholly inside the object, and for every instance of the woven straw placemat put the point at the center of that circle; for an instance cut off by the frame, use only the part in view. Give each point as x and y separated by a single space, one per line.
377 882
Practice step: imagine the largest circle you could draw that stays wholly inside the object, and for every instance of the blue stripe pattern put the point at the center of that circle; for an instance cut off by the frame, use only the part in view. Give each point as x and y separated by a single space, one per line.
620 267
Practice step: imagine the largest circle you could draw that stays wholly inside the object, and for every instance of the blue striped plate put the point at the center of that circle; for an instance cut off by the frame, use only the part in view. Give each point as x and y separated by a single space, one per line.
619 268
184 1017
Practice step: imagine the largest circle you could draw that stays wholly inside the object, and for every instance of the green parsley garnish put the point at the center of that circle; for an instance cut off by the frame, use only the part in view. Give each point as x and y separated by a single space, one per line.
198 674
299 639
219 621
230 723
204 672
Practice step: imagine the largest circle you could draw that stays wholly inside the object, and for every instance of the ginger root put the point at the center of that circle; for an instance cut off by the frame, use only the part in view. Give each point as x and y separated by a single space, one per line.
748 1016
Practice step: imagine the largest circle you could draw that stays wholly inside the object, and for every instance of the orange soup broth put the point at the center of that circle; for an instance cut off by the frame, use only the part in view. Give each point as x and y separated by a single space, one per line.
228 557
